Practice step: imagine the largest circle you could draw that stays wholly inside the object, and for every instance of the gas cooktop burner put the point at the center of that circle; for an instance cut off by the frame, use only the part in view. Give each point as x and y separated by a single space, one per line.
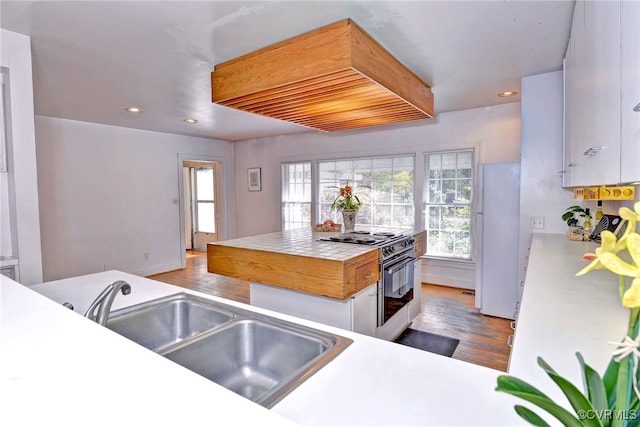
359 238
391 245
341 238
364 240
384 234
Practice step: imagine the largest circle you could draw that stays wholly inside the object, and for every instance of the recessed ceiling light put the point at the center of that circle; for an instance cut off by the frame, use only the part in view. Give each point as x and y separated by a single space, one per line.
133 110
507 94
190 121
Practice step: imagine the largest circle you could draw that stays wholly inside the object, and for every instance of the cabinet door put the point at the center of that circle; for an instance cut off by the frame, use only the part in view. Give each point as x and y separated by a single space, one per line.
601 120
365 313
573 99
630 72
592 95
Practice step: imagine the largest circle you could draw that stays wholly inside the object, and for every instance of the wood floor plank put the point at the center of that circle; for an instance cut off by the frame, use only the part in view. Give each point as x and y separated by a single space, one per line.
451 312
445 311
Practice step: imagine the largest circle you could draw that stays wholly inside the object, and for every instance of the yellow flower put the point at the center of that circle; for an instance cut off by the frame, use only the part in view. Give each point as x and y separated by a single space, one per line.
632 216
608 244
631 297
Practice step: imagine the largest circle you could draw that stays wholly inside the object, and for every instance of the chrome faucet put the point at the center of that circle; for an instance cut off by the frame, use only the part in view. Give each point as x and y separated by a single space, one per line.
104 301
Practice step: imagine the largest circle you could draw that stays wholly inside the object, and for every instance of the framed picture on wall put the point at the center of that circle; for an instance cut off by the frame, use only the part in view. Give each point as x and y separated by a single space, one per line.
254 179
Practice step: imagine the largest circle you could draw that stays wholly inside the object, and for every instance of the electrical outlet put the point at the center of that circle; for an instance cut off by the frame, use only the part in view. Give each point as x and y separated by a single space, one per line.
146 256
536 222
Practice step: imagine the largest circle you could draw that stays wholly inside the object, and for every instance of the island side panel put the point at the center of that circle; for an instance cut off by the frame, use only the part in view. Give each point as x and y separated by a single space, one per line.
318 276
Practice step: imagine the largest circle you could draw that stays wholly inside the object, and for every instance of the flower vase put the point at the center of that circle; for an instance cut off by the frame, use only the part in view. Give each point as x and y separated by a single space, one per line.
349 219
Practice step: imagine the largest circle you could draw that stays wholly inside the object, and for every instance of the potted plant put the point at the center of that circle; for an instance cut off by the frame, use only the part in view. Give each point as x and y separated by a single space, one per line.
348 203
573 216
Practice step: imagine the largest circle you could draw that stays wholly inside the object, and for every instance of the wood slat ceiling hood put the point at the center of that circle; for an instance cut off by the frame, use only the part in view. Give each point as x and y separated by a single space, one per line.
333 78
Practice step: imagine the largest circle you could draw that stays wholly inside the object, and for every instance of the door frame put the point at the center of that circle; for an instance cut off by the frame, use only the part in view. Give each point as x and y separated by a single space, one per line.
221 191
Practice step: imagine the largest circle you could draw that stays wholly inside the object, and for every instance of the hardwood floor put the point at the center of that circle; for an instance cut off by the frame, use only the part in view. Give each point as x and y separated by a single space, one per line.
451 312
197 278
445 311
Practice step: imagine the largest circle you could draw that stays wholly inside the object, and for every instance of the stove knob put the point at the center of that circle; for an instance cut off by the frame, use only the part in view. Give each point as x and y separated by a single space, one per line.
392 248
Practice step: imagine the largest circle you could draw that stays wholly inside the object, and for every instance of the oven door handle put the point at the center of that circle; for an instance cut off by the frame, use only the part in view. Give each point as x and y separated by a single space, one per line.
399 265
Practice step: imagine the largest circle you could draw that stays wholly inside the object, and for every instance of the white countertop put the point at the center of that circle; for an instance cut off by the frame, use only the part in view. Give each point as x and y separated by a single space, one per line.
562 314
59 366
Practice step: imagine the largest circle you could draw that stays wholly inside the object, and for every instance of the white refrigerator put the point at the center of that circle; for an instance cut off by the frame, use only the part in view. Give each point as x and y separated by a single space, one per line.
497 232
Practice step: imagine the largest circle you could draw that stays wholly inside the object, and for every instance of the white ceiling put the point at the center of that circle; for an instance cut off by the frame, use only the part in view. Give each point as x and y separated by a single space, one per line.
91 59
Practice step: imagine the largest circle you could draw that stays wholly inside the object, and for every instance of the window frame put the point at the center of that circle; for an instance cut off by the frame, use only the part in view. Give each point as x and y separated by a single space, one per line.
197 201
337 217
282 191
471 205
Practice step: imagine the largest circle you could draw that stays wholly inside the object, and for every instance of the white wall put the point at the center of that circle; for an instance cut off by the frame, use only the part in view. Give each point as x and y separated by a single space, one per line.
16 56
494 131
108 195
541 192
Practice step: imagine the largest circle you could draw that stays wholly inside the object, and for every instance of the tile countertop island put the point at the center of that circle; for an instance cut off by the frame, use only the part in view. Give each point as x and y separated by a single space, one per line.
299 272
58 365
293 259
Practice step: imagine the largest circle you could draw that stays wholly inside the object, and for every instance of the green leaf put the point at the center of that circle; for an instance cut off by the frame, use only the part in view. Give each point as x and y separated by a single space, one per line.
610 379
634 414
593 386
531 417
578 401
623 389
567 215
517 387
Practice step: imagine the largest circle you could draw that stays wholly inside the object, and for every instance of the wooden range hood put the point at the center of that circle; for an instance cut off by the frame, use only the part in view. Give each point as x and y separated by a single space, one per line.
333 78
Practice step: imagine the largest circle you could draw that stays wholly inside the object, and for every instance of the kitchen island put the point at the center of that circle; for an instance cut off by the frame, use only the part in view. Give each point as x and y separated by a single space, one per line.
58 365
299 272
297 260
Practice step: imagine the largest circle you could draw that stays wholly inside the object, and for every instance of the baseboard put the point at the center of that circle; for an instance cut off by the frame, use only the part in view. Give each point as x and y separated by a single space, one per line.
448 273
158 269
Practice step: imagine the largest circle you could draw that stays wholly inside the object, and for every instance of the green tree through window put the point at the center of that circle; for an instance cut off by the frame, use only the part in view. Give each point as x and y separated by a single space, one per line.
448 198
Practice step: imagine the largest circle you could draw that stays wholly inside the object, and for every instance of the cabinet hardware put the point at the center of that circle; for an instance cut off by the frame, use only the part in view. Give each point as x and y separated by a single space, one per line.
637 108
510 341
369 276
593 151
513 325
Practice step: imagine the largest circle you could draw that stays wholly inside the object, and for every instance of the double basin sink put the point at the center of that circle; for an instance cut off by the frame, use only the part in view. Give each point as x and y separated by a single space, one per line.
257 356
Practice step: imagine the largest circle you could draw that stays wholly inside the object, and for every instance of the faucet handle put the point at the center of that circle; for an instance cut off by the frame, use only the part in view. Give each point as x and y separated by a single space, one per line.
103 302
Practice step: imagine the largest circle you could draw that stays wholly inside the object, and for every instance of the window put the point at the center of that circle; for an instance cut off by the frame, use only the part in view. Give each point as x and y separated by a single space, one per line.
383 184
448 190
296 195
205 209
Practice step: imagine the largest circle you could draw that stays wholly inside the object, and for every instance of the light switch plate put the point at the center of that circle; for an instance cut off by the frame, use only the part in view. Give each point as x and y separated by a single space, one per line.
536 222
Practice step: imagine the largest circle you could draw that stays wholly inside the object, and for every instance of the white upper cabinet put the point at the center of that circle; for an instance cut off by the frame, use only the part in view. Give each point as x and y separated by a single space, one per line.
630 80
601 70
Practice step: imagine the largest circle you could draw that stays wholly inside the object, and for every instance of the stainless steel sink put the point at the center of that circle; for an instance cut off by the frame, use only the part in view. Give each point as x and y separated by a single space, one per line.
257 356
258 360
161 323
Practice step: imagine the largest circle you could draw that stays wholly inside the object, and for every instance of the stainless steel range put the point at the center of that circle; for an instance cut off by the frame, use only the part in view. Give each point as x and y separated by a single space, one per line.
396 256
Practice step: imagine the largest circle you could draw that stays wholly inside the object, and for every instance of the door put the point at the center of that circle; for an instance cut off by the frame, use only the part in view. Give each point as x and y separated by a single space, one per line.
202 184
